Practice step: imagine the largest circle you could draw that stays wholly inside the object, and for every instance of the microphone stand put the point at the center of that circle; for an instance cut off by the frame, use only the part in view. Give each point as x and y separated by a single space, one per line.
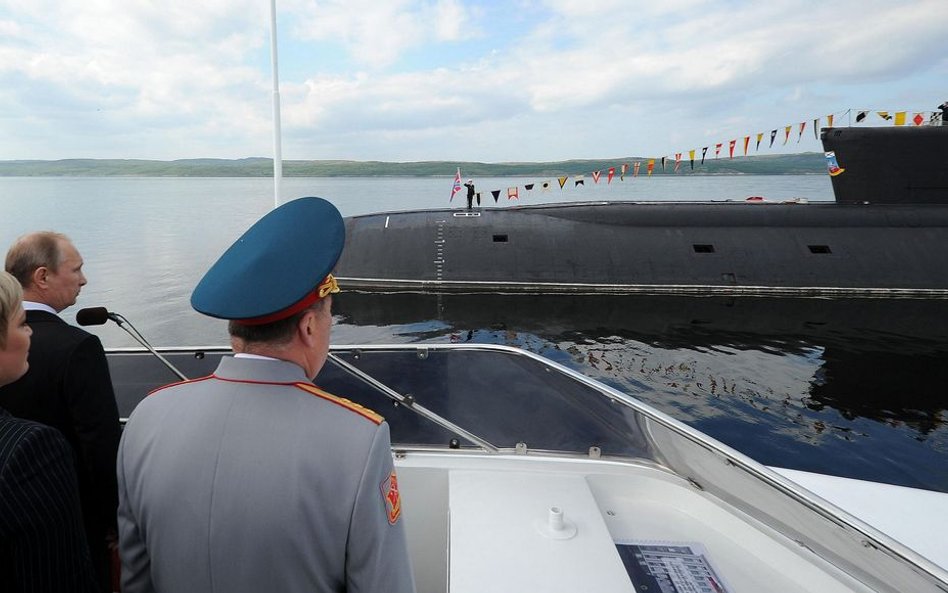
121 321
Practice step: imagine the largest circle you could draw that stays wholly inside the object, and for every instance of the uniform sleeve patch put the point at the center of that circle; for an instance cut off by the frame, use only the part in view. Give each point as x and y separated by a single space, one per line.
393 502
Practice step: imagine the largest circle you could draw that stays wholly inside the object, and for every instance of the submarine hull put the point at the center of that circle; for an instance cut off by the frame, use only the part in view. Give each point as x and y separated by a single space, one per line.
740 248
885 235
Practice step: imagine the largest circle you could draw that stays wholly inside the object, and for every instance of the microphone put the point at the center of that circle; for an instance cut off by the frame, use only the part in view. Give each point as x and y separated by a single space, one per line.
99 315
92 316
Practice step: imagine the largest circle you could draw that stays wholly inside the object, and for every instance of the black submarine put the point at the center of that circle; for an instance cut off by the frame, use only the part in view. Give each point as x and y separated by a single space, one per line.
886 234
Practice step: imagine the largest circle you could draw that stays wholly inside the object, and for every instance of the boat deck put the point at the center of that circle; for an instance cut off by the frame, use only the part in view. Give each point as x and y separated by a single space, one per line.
489 440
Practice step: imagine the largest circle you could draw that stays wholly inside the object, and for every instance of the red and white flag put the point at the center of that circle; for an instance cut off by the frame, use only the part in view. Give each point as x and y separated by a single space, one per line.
457 184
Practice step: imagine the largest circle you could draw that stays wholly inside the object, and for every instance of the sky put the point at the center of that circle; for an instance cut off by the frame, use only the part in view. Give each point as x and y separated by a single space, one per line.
453 80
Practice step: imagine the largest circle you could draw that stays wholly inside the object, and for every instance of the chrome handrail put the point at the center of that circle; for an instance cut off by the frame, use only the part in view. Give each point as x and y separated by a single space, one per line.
411 404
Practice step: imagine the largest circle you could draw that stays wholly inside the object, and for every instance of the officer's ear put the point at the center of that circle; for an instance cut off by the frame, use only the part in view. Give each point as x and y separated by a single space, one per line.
306 328
39 277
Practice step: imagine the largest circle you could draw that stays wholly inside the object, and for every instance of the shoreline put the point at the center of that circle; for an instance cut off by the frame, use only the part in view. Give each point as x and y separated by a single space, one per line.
792 164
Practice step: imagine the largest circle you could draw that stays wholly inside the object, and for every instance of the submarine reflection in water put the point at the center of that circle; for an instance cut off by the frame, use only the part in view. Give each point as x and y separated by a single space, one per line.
850 387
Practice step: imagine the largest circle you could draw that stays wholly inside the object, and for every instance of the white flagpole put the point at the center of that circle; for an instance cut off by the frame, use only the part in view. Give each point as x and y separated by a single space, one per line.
277 142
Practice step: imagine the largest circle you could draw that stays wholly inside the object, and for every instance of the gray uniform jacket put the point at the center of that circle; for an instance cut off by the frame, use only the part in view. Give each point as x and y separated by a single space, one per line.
254 480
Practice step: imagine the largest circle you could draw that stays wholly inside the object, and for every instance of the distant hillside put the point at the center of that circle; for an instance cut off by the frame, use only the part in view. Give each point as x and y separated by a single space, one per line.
794 164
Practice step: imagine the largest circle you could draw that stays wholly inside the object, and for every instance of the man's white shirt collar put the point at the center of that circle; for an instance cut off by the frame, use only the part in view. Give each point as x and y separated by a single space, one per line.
255 356
31 306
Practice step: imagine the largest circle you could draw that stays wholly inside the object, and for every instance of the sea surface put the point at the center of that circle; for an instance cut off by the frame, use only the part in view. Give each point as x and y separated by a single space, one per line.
851 387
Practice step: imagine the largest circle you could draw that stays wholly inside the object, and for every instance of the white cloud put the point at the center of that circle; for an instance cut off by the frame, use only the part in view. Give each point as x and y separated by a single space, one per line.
416 79
376 34
450 20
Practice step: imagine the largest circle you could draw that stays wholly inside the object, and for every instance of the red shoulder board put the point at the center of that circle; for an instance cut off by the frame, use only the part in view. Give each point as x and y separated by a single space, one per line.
349 405
183 382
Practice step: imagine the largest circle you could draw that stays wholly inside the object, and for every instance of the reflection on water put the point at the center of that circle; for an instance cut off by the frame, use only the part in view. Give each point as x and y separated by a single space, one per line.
845 387
852 387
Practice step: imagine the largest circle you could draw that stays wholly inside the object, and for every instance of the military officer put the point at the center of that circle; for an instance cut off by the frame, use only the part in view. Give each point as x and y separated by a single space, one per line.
253 479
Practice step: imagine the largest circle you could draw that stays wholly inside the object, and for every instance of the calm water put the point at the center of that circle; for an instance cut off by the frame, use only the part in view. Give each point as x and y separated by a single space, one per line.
848 387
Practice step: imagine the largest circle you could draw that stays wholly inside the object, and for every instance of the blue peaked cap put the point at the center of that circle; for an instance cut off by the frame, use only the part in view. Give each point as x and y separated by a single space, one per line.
276 265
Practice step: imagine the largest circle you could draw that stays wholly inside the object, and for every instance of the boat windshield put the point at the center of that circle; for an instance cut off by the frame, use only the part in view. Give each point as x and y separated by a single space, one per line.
506 397
443 395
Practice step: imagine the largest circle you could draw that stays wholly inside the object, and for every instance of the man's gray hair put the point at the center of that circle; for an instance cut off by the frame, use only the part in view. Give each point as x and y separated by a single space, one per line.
277 333
32 251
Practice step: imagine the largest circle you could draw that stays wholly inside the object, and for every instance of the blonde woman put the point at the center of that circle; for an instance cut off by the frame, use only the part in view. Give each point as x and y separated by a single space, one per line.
14 332
42 544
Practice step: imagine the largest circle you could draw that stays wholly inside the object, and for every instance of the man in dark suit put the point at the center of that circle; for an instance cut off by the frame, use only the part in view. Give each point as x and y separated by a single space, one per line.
68 385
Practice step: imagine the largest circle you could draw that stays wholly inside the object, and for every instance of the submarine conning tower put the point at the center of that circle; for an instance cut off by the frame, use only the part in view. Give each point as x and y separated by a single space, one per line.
890 165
